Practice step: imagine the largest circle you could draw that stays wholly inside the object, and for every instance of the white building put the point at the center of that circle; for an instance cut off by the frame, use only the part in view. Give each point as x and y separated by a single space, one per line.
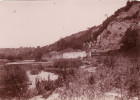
74 54
65 54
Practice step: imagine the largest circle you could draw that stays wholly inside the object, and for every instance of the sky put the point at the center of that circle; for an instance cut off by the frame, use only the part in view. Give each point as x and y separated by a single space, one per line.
25 23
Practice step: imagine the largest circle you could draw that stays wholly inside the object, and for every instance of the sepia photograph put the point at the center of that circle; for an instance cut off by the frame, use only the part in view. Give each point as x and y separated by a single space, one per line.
69 49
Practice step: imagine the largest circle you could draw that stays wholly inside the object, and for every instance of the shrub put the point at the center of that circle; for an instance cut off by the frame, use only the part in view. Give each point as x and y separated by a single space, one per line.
91 80
30 93
43 86
130 40
34 71
67 67
14 81
79 88
59 81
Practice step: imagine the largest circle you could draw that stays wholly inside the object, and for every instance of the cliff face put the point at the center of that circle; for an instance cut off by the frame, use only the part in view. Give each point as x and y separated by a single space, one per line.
113 36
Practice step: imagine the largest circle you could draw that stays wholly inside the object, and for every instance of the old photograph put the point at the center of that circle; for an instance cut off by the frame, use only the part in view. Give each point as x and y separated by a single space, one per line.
69 49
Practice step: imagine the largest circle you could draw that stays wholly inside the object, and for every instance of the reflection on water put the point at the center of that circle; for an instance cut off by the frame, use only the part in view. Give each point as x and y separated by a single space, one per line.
43 75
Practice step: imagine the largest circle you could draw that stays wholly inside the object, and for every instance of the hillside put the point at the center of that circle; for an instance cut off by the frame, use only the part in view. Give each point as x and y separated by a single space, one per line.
120 31
110 34
124 31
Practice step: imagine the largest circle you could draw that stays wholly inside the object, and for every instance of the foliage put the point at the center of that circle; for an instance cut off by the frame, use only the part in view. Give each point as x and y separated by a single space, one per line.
15 57
15 81
68 63
73 43
67 69
38 57
18 53
43 86
30 93
67 66
79 88
34 72
2 56
11 58
124 75
114 73
130 39
91 80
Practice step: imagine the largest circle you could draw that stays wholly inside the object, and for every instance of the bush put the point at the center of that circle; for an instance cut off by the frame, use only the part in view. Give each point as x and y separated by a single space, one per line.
14 81
67 67
91 80
130 40
43 86
34 72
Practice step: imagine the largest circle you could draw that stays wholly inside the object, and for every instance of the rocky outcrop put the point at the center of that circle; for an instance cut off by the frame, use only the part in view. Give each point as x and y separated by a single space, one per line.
111 37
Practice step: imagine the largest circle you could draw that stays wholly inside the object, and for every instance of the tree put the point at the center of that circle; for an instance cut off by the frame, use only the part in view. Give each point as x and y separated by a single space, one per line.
38 56
15 81
130 39
39 53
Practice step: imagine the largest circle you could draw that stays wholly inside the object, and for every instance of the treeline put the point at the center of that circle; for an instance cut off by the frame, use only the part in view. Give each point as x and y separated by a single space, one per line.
22 53
21 56
11 57
17 53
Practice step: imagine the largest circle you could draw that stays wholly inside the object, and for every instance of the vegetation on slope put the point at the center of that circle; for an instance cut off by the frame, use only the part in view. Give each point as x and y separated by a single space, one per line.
91 34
